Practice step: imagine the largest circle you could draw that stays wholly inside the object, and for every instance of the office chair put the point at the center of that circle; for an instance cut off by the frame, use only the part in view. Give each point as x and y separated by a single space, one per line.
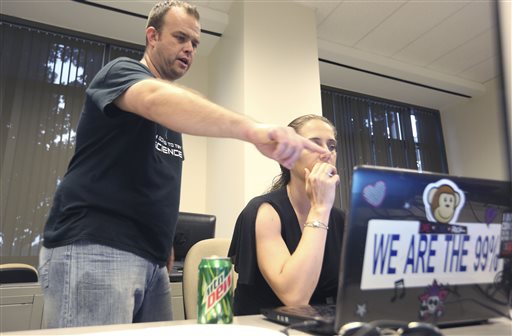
191 228
204 248
17 273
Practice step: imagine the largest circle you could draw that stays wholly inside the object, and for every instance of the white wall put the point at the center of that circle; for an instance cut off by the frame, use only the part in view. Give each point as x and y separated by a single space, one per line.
253 74
225 157
193 196
281 76
474 137
474 132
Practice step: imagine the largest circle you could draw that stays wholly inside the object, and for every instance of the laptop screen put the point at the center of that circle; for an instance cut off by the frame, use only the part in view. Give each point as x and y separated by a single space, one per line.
423 247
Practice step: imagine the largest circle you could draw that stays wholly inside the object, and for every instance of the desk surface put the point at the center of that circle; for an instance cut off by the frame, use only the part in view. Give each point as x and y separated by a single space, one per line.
495 327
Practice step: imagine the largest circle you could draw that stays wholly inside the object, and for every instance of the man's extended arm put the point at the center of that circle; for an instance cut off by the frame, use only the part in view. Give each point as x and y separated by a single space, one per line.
184 111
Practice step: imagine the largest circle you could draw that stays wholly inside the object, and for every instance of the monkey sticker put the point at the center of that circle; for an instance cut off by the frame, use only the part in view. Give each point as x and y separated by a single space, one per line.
443 201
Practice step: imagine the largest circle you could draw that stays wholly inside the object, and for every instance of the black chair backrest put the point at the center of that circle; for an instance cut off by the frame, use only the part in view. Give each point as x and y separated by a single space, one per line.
17 274
191 228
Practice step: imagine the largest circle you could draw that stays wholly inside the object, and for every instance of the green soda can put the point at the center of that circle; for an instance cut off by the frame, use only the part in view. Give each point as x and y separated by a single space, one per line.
215 291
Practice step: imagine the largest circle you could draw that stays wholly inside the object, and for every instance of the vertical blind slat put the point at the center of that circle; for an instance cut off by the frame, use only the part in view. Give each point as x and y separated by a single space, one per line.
375 131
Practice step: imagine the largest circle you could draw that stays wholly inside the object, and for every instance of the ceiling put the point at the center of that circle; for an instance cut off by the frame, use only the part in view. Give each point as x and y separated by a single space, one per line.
446 45
449 37
430 53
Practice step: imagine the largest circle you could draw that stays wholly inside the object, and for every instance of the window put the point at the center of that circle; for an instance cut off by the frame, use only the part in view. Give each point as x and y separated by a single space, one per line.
375 131
43 79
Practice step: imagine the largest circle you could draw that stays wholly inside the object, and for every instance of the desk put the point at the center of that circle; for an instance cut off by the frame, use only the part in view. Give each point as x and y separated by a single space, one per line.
495 327
178 310
21 306
176 279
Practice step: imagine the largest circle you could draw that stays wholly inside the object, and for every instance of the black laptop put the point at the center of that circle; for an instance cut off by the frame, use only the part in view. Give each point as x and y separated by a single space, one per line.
417 247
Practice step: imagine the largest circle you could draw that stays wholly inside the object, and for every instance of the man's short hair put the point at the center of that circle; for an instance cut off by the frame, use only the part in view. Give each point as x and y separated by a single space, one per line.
157 13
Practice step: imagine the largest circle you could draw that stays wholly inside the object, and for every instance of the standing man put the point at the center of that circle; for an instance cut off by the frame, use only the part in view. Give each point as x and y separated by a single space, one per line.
110 229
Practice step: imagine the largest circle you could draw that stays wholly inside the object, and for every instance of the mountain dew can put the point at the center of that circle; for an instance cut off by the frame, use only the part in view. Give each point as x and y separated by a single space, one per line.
215 291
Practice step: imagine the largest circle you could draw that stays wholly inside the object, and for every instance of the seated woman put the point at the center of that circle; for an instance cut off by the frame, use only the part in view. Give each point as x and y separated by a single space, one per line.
286 244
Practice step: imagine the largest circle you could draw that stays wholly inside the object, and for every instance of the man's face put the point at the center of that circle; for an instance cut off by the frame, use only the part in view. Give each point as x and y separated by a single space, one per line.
173 48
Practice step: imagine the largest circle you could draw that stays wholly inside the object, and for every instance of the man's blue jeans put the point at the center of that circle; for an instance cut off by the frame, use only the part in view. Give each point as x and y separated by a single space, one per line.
90 284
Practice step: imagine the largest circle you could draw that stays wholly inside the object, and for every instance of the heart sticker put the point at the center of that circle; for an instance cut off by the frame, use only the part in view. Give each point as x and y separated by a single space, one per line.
374 194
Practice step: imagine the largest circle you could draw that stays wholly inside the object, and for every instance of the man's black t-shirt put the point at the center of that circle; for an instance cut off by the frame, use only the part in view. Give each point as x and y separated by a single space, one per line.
123 183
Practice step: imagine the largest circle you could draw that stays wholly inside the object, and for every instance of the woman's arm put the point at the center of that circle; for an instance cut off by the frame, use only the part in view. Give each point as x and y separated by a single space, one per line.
294 277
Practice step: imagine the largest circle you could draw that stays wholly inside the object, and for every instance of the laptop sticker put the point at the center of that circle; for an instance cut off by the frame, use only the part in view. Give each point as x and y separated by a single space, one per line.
429 227
398 250
443 201
432 302
399 290
490 215
374 194
506 236
361 310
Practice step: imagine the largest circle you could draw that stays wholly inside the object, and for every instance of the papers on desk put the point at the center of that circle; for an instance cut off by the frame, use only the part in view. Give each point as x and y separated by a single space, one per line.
193 329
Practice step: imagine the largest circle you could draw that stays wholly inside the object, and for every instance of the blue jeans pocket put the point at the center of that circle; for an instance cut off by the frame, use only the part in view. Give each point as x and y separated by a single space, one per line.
45 257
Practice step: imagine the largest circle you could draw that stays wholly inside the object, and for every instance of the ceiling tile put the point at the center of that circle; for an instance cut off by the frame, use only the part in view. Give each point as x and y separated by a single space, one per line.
481 72
406 25
219 5
223 6
466 56
352 20
461 27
